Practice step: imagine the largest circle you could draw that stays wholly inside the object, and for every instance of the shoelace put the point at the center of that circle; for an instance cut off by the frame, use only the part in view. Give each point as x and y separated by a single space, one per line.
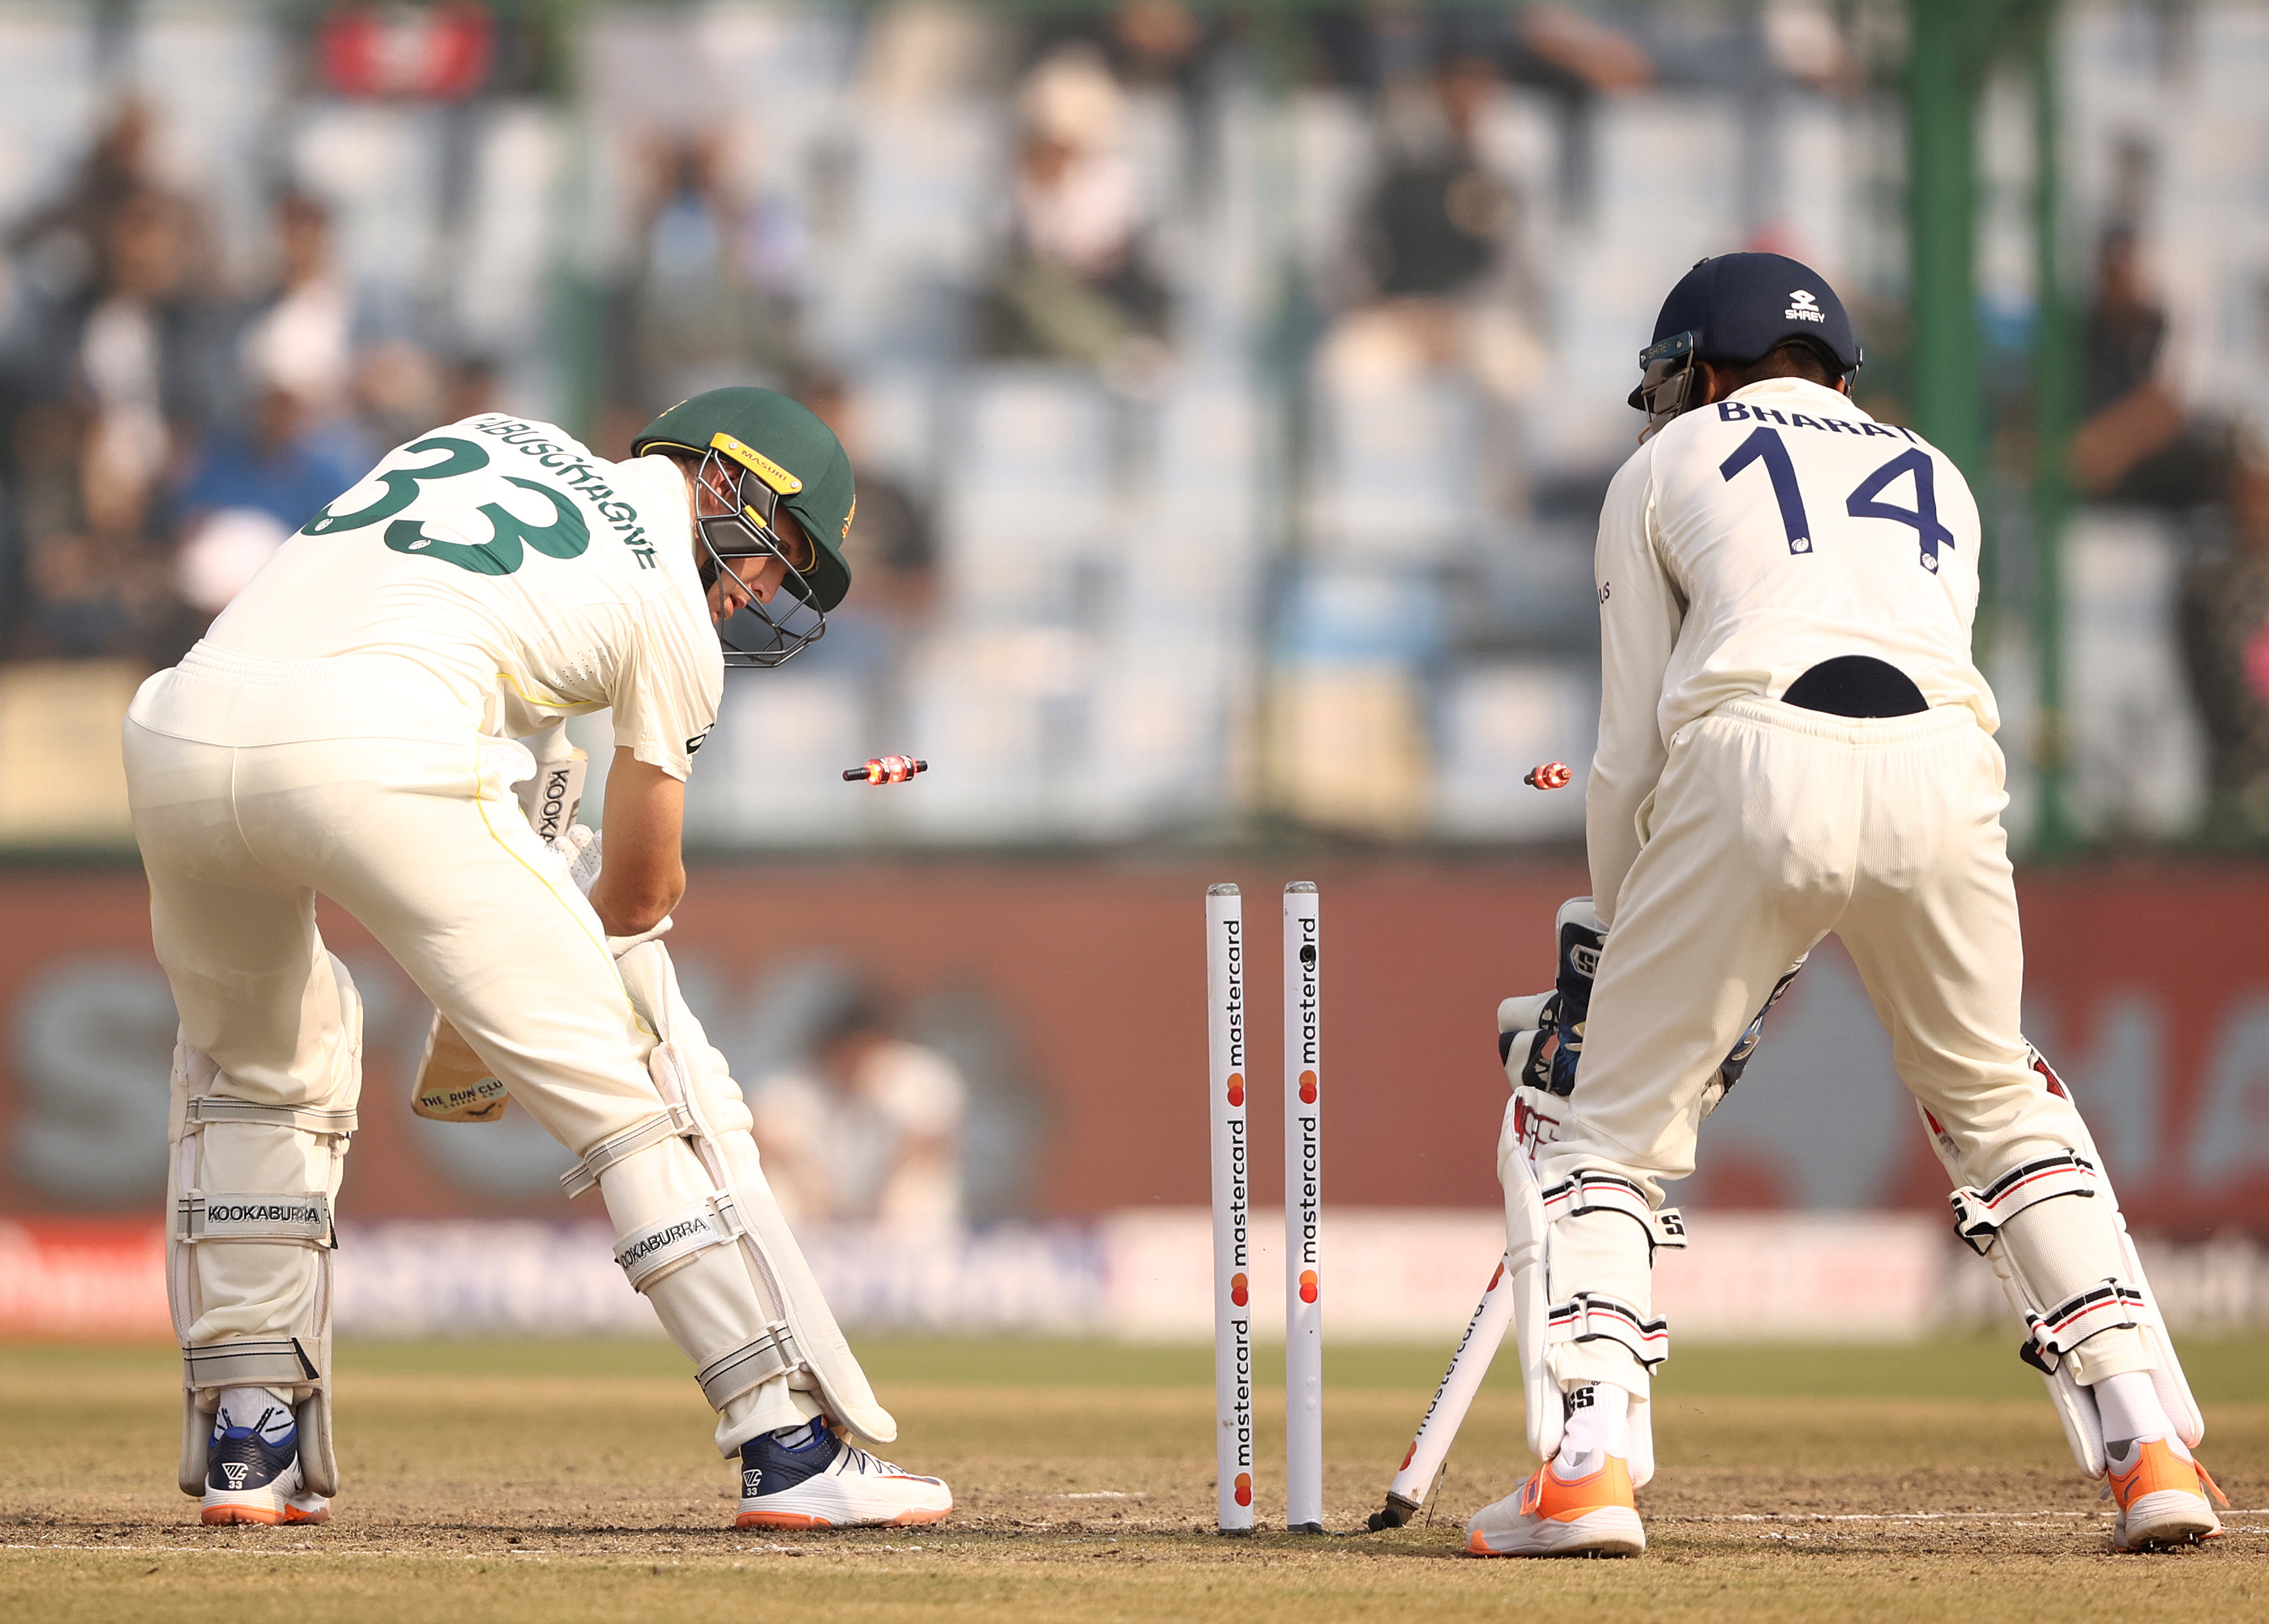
862 1460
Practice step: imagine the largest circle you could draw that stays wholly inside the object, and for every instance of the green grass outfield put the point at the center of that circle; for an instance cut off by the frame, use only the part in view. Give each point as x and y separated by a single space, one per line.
572 1481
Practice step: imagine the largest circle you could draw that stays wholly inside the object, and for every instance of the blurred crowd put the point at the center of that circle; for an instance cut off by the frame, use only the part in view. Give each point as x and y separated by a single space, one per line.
163 429
868 1125
2141 445
917 214
165 422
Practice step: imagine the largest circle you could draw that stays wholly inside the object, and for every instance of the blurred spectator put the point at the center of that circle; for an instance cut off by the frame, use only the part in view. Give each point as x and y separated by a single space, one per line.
913 52
1560 44
139 361
891 547
400 391
2224 630
469 389
1147 44
2139 444
1374 45
1438 217
713 297
1074 285
1577 61
1159 43
115 361
61 242
1440 284
245 493
871 1132
300 339
277 468
1163 51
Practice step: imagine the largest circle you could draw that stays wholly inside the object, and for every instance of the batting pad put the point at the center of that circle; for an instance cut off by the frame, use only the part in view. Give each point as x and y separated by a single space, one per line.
1554 1340
699 1233
2119 1298
249 1240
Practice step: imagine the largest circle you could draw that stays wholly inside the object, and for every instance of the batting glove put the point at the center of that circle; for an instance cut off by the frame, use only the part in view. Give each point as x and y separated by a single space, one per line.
579 846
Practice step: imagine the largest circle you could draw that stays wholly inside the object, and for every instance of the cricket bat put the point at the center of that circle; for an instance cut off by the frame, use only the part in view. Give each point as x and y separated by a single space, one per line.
454 1083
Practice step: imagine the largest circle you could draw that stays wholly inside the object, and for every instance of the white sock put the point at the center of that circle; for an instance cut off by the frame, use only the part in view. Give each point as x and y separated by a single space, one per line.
2129 1404
772 1406
262 1409
1599 1422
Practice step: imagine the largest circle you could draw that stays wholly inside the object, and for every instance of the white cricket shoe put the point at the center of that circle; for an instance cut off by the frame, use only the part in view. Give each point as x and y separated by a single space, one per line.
252 1465
1594 1514
814 1480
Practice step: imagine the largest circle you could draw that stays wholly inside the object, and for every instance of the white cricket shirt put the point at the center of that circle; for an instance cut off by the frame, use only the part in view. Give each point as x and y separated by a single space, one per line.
1746 542
490 575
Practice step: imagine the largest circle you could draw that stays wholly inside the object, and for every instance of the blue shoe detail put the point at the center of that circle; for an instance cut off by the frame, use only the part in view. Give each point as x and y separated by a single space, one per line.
241 1459
769 1466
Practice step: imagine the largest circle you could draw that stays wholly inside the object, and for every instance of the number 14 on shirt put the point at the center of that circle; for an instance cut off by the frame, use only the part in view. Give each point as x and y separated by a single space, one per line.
1766 445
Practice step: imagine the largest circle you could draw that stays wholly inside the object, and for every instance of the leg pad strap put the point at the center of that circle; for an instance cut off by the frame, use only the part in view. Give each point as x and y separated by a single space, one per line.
1592 1192
1978 1215
649 1252
270 1362
1591 1317
2115 1305
750 1365
675 1123
304 1219
308 1119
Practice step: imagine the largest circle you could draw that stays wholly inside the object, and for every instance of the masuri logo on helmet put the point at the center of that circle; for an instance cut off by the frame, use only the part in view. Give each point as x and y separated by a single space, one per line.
785 446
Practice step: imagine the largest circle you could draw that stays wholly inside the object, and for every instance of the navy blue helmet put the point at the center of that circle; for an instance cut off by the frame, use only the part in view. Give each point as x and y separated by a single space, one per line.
1738 307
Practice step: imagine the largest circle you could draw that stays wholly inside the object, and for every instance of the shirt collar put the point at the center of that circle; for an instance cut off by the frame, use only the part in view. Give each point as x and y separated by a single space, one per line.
1797 389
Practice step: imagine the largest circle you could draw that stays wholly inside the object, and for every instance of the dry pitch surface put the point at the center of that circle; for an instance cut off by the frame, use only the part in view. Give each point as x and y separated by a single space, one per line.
566 1482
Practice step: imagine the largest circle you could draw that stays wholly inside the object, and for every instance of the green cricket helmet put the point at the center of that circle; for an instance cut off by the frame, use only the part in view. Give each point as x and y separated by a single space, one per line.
760 451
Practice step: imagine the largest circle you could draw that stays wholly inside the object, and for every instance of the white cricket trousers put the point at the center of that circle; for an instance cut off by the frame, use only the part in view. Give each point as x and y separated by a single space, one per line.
1771 826
425 844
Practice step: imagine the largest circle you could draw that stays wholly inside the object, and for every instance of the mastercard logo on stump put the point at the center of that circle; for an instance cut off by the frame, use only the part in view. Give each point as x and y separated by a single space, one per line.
1307 1088
1236 1087
1307 1284
1237 1289
1245 1488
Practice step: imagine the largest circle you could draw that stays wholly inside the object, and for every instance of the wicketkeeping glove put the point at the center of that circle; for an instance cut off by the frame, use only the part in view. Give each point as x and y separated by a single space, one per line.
1540 1038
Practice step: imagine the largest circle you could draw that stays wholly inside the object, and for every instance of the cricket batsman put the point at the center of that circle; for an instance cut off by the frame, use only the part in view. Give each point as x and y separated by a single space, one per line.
1794 740
349 726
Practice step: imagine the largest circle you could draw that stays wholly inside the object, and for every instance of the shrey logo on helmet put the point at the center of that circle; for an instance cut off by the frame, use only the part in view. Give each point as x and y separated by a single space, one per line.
1730 311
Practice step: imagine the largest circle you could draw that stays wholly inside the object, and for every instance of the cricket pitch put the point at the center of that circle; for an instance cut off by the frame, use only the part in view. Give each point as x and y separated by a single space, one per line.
572 1482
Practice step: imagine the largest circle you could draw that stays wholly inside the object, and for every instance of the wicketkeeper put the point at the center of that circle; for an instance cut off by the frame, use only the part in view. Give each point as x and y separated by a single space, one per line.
349 727
1794 740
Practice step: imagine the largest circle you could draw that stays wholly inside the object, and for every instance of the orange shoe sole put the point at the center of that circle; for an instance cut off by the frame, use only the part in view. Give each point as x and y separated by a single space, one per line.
222 1517
797 1520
